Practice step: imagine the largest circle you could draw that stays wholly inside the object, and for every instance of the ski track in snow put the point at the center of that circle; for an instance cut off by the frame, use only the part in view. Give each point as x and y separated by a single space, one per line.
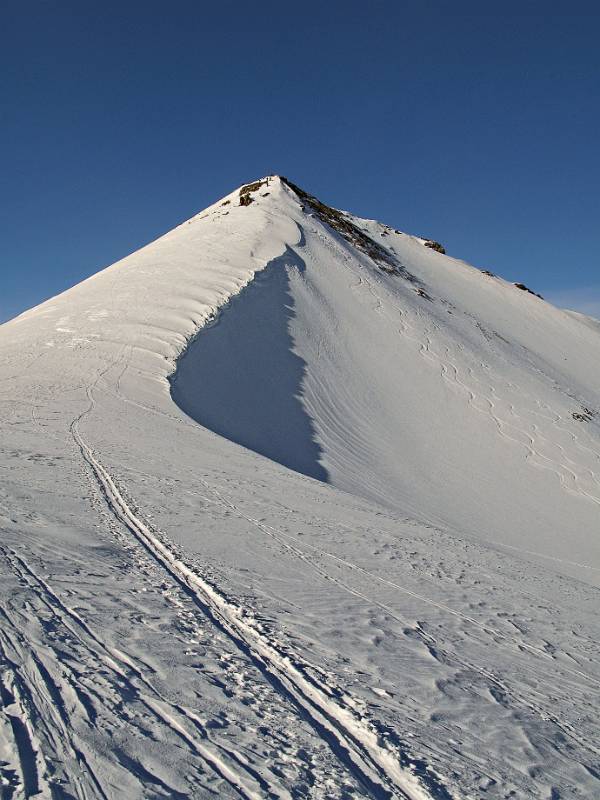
53 713
290 544
353 740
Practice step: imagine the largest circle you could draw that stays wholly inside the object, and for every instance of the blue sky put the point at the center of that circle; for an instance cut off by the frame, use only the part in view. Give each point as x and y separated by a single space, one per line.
472 123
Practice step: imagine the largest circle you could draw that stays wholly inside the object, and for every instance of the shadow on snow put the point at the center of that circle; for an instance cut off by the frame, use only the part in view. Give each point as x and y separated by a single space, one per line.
240 378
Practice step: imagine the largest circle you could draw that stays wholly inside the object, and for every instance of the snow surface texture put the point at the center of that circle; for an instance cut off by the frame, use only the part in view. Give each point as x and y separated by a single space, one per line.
345 546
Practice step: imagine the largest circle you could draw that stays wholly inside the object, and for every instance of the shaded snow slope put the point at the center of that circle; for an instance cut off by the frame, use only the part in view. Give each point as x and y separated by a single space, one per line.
244 381
182 616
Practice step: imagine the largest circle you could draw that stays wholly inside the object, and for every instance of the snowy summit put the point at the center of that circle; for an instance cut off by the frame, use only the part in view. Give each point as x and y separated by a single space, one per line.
295 505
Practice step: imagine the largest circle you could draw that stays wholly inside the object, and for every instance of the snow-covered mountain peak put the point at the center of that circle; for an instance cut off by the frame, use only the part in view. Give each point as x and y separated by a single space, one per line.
403 350
296 505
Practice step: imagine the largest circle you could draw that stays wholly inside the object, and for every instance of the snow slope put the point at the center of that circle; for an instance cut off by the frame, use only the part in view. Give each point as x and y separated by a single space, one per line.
346 545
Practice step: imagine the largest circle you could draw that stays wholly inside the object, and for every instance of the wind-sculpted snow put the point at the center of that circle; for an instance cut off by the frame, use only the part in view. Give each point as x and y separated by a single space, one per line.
181 616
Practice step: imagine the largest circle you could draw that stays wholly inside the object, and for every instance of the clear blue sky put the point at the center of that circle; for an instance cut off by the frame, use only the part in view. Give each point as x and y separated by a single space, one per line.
477 124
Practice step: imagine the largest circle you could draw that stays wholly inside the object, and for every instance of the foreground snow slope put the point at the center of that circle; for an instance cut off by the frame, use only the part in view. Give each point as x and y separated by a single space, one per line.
346 546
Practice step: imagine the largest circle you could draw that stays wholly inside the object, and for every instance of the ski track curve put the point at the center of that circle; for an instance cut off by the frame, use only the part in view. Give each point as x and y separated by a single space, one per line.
353 741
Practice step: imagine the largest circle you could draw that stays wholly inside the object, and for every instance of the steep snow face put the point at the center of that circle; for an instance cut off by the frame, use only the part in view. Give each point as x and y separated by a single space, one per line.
356 557
426 385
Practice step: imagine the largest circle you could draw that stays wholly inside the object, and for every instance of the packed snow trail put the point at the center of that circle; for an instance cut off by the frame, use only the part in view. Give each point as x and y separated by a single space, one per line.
351 739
